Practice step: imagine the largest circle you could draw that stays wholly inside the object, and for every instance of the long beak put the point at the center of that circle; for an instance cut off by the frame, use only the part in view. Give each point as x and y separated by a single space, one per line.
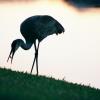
11 55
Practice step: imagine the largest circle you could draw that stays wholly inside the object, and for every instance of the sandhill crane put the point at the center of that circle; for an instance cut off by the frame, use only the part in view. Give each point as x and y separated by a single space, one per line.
35 28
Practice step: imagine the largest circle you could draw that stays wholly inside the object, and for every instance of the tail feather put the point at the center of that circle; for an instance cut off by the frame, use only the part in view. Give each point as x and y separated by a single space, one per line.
60 28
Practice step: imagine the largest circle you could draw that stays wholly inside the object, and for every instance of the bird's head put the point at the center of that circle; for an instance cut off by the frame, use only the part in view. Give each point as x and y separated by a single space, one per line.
14 47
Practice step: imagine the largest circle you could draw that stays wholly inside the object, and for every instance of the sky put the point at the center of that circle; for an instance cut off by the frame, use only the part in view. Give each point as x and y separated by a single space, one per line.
73 56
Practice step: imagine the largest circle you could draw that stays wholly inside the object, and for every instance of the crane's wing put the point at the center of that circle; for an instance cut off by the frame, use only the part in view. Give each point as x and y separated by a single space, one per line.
40 27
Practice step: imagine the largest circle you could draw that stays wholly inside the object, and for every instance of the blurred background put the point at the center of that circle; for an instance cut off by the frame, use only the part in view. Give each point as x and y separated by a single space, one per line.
73 56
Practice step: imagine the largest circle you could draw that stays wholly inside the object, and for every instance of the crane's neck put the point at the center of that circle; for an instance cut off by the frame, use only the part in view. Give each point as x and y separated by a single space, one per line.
26 45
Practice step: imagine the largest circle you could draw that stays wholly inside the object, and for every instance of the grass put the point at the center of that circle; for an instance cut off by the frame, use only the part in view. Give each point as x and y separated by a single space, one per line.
23 86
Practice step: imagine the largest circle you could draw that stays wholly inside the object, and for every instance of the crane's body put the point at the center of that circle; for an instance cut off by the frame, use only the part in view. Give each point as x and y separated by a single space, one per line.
39 27
35 28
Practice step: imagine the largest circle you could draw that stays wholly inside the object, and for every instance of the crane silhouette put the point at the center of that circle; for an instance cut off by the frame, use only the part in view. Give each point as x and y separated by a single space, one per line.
35 28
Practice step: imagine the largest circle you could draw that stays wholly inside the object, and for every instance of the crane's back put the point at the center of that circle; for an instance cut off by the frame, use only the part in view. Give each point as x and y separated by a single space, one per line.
39 27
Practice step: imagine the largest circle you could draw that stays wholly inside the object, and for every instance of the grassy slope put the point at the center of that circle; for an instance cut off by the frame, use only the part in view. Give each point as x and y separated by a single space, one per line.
23 86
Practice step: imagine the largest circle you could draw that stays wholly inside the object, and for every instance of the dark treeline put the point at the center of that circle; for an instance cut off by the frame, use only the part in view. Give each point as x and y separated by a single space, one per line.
84 3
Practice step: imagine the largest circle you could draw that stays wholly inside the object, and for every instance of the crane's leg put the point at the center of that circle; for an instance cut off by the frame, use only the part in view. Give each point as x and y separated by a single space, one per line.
37 58
34 58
